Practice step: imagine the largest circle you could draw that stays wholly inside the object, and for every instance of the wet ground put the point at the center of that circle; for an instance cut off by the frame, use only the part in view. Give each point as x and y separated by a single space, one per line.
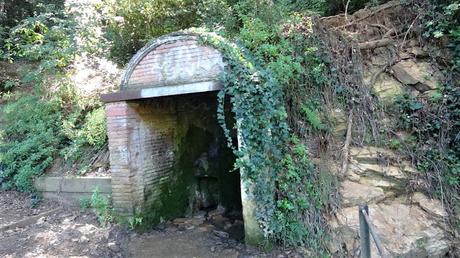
49 229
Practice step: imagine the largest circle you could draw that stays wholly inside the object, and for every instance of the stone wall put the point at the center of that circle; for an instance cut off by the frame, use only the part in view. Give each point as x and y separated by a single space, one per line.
409 225
71 189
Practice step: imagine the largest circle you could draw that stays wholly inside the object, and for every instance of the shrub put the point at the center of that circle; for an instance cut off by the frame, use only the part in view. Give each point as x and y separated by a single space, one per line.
442 20
435 145
86 133
31 138
140 21
45 37
63 121
102 207
17 10
95 127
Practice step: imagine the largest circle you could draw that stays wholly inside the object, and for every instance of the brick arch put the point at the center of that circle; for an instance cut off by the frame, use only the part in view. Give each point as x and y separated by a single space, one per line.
171 60
145 117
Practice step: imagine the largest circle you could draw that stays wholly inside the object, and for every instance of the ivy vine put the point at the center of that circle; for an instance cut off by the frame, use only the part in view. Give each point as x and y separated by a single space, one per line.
267 155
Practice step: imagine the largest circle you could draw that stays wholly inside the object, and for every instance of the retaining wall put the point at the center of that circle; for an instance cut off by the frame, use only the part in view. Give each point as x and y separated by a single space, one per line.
72 189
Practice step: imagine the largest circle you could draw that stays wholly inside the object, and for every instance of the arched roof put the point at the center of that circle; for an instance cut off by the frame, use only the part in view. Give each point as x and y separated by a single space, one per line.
170 65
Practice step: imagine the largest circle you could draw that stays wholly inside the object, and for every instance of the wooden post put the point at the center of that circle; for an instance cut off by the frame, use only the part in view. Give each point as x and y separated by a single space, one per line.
364 232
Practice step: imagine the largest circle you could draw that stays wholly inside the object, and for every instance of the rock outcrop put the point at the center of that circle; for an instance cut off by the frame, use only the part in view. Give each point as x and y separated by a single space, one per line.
408 225
421 75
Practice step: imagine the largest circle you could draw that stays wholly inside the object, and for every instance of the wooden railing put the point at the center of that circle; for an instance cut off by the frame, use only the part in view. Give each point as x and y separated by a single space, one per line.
366 227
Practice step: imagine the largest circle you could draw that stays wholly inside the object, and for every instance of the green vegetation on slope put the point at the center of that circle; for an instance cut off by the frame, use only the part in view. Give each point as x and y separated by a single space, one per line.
47 117
280 84
434 122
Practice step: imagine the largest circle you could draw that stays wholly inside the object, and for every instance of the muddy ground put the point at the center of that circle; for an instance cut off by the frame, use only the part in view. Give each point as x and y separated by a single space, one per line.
49 229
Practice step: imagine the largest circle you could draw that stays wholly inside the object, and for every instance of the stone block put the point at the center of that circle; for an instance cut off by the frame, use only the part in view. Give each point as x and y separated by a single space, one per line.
355 193
405 230
422 75
72 189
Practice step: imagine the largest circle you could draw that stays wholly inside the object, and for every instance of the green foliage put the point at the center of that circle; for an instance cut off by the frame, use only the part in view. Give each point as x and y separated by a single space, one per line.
135 222
85 203
434 126
338 6
45 37
31 138
7 85
217 14
14 11
87 129
395 144
102 207
37 130
139 21
84 126
318 6
3 33
266 157
313 118
64 122
95 127
284 70
438 26
299 207
260 121
442 19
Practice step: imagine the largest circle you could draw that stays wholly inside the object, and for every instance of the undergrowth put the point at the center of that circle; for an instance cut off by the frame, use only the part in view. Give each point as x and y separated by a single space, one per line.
46 116
267 63
432 121
31 137
101 206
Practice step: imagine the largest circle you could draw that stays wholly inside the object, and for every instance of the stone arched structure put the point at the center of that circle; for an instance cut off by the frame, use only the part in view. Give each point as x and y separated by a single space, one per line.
168 86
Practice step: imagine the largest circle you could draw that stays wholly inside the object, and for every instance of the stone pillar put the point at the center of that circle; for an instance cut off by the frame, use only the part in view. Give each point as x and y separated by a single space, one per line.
253 234
252 231
121 122
141 147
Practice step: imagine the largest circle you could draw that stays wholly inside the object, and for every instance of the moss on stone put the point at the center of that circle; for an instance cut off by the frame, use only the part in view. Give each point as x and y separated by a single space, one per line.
197 133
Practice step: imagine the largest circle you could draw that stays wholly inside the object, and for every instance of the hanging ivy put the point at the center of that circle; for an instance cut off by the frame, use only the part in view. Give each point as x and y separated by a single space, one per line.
267 156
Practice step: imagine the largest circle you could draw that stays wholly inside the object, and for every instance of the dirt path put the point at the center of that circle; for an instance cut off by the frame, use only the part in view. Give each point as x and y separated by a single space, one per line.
65 232
190 243
71 232
191 239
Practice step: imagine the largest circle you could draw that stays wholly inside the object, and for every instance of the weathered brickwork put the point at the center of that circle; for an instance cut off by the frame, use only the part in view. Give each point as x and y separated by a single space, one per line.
120 121
178 62
143 137
145 133
141 152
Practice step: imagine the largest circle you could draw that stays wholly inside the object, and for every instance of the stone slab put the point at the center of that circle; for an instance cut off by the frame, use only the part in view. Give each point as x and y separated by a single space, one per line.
71 190
198 87
73 184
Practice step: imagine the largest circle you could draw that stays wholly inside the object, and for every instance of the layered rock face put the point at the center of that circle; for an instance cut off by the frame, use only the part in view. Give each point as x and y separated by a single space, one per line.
409 70
409 225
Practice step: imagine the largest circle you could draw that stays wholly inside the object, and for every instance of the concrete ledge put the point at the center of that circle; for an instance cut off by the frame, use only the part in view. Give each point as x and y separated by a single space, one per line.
72 189
171 90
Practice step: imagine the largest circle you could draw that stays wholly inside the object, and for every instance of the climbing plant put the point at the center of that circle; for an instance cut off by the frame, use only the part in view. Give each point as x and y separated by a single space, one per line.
269 157
431 121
